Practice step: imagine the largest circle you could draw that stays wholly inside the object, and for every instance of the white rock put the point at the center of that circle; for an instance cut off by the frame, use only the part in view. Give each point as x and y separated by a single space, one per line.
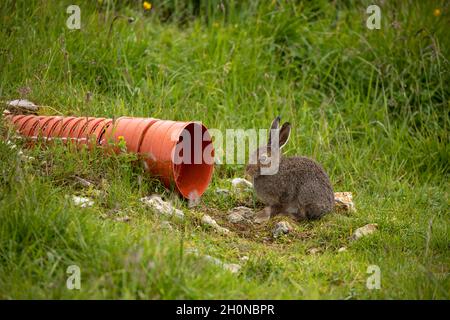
22 155
232 267
207 220
122 219
193 251
163 207
22 103
344 201
26 158
212 259
241 184
244 258
166 225
364 231
83 182
314 251
282 227
82 201
240 214
246 212
222 191
11 145
342 249
235 217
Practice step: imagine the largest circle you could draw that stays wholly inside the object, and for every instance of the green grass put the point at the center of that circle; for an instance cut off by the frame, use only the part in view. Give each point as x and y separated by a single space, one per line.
370 105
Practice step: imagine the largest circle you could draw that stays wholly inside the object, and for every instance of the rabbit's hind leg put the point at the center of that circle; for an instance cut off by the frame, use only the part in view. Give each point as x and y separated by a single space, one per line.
293 211
315 211
296 213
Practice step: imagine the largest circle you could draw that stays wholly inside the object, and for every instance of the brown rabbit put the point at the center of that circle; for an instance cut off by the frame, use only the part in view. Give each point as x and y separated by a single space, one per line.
300 188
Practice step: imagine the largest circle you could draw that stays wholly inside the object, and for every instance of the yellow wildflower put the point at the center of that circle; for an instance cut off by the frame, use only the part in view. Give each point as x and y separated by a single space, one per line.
437 12
147 5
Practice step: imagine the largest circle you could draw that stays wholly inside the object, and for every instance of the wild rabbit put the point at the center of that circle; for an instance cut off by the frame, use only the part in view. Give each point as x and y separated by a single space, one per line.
300 187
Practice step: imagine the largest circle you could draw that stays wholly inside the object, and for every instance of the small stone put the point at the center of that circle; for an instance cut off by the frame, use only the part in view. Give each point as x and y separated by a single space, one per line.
282 227
83 182
240 214
244 258
342 249
23 104
163 207
28 158
243 211
82 201
122 219
24 157
193 251
235 218
166 225
222 191
314 251
364 231
11 145
232 267
240 184
207 220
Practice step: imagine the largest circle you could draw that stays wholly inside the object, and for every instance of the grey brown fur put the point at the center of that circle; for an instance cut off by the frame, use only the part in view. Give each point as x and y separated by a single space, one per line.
301 188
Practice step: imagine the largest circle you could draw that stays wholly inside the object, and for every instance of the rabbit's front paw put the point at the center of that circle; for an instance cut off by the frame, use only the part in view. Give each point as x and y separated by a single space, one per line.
263 215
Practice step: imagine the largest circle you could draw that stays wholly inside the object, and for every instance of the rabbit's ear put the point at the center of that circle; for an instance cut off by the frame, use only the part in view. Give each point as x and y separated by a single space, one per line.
285 133
275 123
275 126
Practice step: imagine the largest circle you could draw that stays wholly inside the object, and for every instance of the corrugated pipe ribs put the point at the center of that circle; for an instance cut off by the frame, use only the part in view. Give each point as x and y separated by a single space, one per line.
178 153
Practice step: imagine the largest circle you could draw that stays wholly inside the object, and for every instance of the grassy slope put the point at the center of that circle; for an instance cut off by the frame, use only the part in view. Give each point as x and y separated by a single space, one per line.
371 106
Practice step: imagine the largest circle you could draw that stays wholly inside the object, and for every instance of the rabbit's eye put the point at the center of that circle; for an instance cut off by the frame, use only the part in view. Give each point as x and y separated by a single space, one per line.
264 159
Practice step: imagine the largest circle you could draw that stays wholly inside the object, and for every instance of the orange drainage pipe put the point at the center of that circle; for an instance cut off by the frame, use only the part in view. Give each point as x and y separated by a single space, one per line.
178 153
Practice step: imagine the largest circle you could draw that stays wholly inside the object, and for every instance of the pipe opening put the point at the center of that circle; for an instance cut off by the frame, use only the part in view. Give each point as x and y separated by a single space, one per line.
195 150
